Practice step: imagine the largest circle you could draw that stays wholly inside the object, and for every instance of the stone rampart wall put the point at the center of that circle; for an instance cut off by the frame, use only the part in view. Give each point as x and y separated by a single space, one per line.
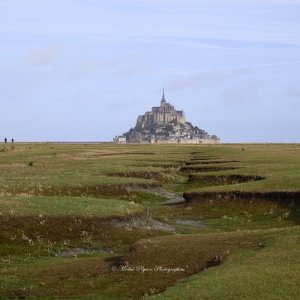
210 141
200 141
189 141
166 141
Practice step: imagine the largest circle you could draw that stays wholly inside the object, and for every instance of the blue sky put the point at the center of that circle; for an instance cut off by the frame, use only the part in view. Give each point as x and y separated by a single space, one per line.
68 68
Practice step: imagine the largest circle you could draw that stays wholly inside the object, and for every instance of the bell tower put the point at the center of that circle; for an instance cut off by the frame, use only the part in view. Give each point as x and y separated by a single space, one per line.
163 100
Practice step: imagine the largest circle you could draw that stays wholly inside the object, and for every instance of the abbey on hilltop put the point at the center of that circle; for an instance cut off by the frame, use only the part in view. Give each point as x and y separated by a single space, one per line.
162 115
165 124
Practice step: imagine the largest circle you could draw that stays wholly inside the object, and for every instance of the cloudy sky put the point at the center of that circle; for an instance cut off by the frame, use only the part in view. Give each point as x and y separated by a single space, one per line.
83 70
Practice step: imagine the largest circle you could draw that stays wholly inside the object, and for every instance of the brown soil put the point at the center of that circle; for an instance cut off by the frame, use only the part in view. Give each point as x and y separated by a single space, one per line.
163 177
169 166
201 169
223 179
188 255
287 199
120 153
163 166
151 266
98 191
74 229
204 158
208 162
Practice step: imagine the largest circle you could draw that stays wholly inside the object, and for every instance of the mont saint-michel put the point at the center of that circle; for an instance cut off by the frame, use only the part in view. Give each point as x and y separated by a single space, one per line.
165 124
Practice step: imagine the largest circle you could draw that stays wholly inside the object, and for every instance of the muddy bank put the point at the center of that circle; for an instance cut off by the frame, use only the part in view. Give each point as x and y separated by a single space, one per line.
97 154
223 179
127 153
160 176
169 166
203 157
208 162
140 221
163 166
201 169
38 235
98 191
163 262
284 198
165 161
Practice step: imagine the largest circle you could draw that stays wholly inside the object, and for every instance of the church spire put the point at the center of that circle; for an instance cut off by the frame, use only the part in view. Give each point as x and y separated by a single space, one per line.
163 96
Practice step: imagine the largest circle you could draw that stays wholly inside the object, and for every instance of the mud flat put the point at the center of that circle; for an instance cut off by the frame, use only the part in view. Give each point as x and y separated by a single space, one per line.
140 221
159 176
208 162
201 169
223 179
284 198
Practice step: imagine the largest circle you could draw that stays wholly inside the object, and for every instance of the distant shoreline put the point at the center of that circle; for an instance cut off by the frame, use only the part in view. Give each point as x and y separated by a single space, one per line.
111 142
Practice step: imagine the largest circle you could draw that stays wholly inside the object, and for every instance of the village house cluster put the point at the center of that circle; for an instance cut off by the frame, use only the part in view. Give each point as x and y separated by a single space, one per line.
164 124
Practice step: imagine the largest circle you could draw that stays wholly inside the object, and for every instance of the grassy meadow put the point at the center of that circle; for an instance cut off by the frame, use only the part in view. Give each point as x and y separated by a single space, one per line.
132 221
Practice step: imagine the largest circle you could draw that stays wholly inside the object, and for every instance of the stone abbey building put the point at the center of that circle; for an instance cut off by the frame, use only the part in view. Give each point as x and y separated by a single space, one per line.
162 115
165 124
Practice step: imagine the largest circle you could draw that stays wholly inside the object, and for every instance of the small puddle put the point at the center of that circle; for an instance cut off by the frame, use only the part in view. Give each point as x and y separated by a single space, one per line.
190 222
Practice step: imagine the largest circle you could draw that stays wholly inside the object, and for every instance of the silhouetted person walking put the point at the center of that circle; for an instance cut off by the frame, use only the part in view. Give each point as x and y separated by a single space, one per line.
5 140
12 140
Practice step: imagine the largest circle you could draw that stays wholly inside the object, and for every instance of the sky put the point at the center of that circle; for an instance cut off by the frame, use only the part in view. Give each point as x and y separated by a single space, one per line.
83 70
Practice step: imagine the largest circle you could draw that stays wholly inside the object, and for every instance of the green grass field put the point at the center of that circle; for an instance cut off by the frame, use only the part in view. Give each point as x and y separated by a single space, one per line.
107 221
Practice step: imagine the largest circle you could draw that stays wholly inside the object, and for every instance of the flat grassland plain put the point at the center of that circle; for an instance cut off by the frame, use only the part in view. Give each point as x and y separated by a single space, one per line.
107 221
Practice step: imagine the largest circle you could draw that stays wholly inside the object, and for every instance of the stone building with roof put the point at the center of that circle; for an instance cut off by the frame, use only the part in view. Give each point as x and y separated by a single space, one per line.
165 124
162 115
